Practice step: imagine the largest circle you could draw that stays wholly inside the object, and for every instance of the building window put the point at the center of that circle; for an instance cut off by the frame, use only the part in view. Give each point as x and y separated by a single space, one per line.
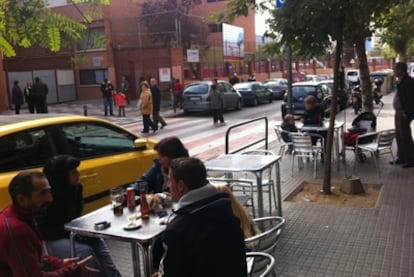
215 28
94 38
93 76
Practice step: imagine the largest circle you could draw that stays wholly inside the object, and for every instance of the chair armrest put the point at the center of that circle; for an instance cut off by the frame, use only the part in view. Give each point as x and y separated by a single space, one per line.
250 259
372 135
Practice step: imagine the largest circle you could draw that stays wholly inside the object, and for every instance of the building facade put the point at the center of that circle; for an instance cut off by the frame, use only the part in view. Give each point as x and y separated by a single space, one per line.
138 45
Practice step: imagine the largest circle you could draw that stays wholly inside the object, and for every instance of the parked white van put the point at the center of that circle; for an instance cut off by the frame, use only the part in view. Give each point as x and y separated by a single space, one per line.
352 76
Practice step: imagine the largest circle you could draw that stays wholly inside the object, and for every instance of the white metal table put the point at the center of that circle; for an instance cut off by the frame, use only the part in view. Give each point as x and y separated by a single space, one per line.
140 239
255 164
338 135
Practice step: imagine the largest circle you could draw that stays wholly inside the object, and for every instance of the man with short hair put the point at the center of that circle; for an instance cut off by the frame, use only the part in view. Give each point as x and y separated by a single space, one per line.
404 113
204 238
21 247
156 105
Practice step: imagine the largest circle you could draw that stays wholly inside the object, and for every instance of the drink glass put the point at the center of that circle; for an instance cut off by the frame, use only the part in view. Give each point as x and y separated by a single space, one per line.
117 200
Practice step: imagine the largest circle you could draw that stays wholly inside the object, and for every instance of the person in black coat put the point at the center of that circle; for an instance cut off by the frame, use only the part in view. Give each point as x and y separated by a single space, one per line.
67 191
17 97
156 105
168 149
404 113
39 94
204 238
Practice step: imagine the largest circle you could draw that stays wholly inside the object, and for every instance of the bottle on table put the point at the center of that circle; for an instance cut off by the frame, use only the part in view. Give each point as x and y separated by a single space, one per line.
144 203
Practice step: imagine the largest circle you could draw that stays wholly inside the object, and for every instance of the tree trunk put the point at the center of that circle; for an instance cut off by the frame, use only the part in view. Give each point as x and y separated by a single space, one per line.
334 104
366 86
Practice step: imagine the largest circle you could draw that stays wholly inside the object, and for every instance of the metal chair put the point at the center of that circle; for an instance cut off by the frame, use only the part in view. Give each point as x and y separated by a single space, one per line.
281 137
381 146
268 185
244 196
303 148
266 241
260 264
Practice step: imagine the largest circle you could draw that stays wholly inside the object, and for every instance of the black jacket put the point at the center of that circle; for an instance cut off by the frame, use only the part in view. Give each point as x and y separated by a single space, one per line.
406 95
154 177
204 240
156 98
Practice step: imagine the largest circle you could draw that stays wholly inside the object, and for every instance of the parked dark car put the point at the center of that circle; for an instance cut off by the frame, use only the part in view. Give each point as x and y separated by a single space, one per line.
278 87
344 99
301 90
254 93
195 97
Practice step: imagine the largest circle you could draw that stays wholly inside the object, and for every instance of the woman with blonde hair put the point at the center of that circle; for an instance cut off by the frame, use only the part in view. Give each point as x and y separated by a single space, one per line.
247 225
146 107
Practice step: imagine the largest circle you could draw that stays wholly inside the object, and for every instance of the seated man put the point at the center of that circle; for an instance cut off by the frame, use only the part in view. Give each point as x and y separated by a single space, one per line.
204 238
20 243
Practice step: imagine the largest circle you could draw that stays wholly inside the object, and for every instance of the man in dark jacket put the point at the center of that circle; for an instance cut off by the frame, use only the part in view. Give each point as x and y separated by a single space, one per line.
39 94
204 238
404 114
17 97
156 105
107 90
21 252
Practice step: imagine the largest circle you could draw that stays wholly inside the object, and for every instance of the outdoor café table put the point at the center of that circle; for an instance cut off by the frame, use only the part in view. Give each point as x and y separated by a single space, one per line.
256 164
338 132
140 239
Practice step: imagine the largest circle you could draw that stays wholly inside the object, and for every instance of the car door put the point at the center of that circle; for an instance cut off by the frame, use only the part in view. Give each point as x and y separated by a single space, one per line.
27 149
230 96
109 159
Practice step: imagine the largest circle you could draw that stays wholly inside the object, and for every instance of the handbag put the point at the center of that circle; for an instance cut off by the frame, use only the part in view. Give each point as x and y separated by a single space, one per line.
139 104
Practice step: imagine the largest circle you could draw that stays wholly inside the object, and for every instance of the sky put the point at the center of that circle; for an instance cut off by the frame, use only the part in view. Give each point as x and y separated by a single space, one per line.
260 24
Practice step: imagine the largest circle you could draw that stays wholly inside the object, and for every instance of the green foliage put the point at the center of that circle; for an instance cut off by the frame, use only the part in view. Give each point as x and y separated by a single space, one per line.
27 23
398 28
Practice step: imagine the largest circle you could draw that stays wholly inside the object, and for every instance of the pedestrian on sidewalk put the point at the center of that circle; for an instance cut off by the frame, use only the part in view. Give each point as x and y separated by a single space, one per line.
39 93
120 102
107 89
156 104
146 107
215 96
17 97
28 97
404 113
125 88
178 95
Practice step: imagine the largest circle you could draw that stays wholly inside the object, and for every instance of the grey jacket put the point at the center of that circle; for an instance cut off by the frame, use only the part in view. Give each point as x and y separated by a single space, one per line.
216 99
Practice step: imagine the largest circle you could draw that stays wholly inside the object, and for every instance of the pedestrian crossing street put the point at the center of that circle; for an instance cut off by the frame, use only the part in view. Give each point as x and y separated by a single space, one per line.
202 138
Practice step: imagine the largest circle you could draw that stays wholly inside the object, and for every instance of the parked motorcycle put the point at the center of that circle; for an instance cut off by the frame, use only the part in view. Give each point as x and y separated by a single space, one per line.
376 93
356 99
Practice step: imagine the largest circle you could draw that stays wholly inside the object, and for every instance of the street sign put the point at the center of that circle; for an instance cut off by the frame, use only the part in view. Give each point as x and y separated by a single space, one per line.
279 3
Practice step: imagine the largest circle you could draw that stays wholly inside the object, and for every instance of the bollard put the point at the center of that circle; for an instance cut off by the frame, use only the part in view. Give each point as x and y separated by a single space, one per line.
85 110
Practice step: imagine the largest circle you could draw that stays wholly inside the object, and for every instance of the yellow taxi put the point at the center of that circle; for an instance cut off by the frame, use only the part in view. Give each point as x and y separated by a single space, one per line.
110 154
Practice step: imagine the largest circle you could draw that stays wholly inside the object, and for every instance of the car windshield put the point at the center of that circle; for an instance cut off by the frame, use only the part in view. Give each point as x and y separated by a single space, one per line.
197 89
302 91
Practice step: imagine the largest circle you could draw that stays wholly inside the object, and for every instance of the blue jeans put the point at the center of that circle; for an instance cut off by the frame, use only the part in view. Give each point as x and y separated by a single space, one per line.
102 259
108 104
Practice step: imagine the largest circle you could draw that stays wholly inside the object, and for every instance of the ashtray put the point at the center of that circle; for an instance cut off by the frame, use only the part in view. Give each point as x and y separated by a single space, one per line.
132 226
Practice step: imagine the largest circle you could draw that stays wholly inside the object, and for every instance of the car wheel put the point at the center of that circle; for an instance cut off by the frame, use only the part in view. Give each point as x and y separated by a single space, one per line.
239 105
255 101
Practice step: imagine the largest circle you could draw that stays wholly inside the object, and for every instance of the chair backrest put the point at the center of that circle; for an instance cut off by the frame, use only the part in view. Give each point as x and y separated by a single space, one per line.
302 142
385 138
266 241
282 135
260 264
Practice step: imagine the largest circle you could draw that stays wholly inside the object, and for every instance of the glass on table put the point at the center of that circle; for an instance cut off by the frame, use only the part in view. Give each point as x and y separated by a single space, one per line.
117 200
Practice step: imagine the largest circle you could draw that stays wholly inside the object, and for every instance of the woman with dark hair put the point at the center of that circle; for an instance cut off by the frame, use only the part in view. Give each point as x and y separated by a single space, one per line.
67 191
168 149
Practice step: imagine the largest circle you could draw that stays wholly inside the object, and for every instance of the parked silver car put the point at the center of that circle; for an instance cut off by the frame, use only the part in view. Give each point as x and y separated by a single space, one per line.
195 96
